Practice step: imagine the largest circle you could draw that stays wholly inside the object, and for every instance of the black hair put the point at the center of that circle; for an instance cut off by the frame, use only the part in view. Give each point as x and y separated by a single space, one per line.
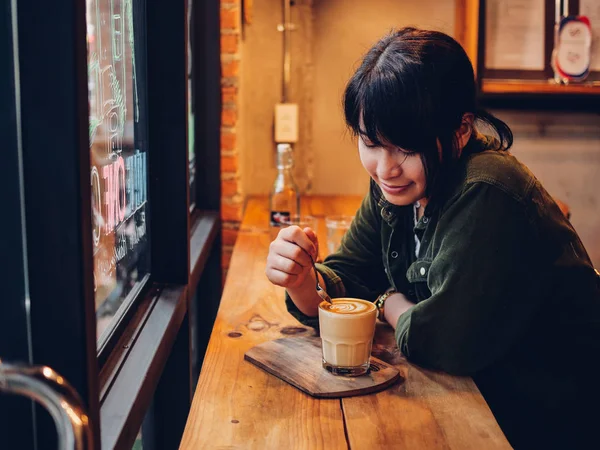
412 88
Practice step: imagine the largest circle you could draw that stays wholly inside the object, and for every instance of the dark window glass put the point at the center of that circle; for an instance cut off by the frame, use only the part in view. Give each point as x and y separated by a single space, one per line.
119 163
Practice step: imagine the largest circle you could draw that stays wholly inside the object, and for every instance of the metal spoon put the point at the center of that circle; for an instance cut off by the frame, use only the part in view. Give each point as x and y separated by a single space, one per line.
320 291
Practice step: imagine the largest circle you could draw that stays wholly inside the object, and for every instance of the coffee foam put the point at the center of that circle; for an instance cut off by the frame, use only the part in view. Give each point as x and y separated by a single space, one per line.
349 306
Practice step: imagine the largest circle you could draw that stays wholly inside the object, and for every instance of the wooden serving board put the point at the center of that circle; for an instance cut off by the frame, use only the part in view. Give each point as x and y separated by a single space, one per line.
298 361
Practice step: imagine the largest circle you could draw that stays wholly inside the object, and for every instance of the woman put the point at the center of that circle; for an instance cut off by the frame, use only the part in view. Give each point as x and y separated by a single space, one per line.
481 273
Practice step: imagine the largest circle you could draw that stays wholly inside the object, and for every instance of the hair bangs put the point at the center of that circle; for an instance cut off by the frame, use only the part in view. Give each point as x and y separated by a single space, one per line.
389 111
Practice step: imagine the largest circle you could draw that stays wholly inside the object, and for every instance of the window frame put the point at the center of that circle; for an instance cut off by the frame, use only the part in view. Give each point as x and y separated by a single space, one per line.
205 237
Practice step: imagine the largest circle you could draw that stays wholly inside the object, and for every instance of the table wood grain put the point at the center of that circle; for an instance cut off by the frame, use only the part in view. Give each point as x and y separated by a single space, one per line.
238 405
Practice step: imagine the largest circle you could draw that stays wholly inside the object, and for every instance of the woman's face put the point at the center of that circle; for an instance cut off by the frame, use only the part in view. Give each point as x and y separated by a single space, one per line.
399 174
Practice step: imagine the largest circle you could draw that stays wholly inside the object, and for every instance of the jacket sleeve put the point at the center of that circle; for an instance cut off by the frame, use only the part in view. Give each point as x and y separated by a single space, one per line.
356 268
486 279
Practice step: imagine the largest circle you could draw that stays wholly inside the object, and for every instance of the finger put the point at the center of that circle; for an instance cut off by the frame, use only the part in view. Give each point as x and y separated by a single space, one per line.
280 278
312 235
284 264
297 236
291 251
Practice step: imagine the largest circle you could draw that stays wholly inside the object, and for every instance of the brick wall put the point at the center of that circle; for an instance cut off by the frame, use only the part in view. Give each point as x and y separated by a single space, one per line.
232 197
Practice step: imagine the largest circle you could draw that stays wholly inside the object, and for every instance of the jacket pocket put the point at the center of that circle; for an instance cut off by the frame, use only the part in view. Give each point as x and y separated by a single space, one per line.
417 275
418 271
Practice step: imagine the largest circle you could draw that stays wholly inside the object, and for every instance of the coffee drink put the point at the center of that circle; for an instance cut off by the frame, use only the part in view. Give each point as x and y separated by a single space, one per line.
347 327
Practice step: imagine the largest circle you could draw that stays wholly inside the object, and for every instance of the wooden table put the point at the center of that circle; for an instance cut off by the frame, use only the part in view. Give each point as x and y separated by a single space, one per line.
238 405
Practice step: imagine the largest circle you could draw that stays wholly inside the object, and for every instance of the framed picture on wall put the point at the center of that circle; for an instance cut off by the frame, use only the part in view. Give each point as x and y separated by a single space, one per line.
515 36
511 42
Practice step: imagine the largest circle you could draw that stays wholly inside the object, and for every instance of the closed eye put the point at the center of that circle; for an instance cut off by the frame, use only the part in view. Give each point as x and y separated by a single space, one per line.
406 152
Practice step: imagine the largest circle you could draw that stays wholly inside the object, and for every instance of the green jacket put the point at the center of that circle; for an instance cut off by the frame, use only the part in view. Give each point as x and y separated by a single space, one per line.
504 289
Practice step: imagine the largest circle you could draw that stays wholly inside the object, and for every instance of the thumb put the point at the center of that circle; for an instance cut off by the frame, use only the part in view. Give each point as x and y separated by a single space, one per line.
313 238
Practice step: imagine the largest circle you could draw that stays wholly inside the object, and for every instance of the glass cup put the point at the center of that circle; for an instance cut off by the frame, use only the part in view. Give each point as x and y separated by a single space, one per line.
347 327
302 221
336 228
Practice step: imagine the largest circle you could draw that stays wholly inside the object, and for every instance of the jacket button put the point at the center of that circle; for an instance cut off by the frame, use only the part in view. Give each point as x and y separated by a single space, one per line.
422 271
394 254
425 219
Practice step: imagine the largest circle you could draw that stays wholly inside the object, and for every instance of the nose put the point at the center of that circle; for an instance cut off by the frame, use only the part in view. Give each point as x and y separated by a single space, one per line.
388 166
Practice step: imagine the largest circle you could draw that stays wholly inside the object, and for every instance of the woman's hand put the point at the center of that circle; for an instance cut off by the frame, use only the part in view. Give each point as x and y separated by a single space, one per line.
289 261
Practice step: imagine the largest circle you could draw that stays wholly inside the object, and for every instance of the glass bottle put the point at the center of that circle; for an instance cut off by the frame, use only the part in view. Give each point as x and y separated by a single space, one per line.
284 200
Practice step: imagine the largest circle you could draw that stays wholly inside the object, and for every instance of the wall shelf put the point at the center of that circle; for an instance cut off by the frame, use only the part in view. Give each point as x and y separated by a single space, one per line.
491 86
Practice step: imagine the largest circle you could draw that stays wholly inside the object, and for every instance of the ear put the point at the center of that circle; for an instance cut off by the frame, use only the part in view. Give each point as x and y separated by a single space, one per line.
465 131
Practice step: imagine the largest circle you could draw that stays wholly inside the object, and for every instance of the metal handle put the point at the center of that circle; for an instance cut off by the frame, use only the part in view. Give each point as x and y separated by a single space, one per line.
53 392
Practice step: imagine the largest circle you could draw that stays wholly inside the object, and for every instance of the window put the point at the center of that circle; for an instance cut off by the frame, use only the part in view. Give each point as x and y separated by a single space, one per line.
98 151
118 156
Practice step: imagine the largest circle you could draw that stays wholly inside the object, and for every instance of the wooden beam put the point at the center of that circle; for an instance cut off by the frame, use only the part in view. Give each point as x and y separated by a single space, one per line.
466 28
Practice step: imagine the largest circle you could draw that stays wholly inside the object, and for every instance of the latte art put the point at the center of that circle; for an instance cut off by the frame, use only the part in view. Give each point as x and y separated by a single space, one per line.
348 306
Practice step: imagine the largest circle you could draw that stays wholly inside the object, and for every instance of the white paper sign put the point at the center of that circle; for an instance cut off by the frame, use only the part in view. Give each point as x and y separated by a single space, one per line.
514 34
573 54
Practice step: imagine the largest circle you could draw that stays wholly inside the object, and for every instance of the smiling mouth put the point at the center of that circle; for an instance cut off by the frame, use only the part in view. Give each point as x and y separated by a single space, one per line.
395 188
